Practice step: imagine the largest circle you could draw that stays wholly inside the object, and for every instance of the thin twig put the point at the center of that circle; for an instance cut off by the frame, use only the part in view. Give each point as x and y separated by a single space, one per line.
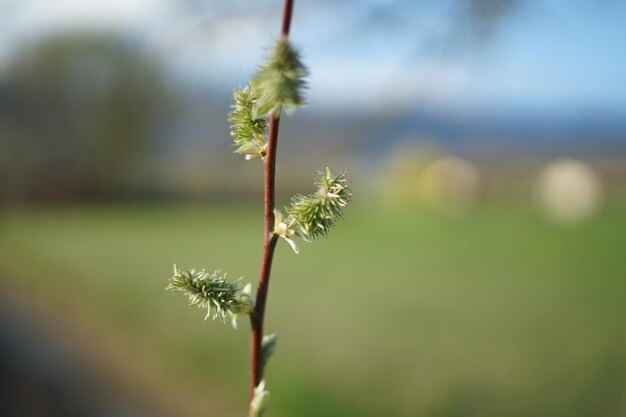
269 239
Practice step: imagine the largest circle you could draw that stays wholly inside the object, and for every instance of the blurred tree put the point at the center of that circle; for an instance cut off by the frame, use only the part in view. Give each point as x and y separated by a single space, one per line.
79 117
482 15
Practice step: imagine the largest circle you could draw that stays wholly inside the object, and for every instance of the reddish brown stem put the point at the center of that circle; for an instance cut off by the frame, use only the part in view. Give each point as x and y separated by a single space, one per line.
286 22
269 244
269 239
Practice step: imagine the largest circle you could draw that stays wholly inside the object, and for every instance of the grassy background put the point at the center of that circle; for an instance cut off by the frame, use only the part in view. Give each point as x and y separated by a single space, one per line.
399 313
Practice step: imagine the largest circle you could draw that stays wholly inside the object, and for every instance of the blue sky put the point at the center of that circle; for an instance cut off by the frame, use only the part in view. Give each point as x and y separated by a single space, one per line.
565 55
548 56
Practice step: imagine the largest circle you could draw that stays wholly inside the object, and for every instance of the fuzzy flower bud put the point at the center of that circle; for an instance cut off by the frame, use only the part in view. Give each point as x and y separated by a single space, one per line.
268 346
285 228
315 214
223 299
246 130
280 81
260 400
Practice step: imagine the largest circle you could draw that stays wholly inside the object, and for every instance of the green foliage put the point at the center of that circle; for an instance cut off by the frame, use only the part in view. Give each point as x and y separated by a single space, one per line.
80 117
246 130
280 81
223 299
572 277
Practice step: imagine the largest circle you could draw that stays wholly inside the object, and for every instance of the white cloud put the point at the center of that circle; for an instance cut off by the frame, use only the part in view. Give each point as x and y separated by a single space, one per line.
384 86
39 16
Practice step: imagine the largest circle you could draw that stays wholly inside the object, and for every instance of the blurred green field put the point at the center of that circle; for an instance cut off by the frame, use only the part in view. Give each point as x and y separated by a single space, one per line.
398 313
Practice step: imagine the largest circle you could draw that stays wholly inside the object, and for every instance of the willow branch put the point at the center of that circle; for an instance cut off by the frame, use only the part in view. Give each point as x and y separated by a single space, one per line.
269 238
